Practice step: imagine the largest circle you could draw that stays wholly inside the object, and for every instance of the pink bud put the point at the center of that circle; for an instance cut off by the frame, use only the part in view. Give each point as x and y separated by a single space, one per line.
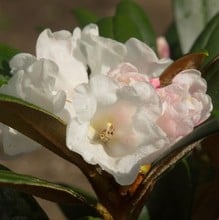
163 49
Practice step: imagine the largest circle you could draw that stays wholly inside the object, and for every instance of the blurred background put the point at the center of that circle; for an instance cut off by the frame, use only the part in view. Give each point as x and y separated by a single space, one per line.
20 24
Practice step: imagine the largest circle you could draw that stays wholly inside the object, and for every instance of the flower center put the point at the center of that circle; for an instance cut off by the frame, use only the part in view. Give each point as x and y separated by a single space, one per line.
107 133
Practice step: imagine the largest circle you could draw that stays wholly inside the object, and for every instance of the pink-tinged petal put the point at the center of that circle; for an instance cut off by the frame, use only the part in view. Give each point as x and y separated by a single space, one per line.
116 132
185 104
163 49
126 74
155 82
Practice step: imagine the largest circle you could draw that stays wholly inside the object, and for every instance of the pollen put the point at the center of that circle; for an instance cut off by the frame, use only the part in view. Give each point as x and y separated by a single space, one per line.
107 133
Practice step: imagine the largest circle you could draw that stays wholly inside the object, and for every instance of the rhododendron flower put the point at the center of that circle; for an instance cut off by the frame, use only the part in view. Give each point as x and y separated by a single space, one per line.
115 126
103 54
185 104
47 80
122 119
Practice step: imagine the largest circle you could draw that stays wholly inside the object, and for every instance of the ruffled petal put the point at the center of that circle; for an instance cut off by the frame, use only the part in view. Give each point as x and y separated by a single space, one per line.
59 47
21 61
144 58
108 53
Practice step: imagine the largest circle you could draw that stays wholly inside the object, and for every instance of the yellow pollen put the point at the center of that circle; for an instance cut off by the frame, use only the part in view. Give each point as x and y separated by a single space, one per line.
145 168
107 133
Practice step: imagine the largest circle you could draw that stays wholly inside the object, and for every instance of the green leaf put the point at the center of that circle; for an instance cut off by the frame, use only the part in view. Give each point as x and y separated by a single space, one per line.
171 197
173 41
79 202
79 210
41 188
106 27
6 53
84 16
208 39
15 205
144 214
191 18
18 205
212 77
3 80
131 21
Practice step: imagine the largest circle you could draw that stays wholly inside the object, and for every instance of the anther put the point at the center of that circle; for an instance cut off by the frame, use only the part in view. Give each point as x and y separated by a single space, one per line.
107 133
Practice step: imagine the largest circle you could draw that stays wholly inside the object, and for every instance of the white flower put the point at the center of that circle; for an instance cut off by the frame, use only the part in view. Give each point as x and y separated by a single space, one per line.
185 104
47 80
119 122
103 54
115 126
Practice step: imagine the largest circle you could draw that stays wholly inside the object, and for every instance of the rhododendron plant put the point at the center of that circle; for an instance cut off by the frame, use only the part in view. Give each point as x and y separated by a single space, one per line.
109 99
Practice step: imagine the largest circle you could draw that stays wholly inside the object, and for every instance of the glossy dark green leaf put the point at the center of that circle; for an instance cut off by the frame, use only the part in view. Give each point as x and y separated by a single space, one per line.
208 39
79 202
84 16
6 53
79 210
131 21
212 76
18 205
191 17
171 197
190 61
41 188
106 27
173 41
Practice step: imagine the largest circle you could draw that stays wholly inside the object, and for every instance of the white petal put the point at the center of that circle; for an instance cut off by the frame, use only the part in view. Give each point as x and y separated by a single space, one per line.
15 143
14 86
84 103
91 29
21 61
107 52
59 47
38 86
144 58
143 94
104 89
192 80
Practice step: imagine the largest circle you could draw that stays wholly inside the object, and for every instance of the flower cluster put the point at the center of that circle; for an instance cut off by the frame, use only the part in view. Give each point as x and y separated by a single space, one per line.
118 116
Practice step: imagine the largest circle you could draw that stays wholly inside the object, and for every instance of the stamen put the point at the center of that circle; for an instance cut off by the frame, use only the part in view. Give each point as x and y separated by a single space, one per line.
107 133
